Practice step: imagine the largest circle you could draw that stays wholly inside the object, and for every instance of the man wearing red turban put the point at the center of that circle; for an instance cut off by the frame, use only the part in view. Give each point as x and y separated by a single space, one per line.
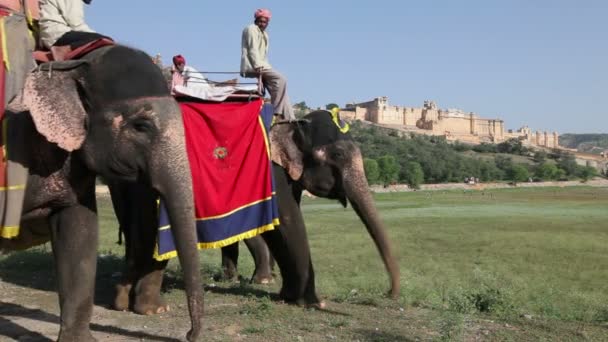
184 73
254 62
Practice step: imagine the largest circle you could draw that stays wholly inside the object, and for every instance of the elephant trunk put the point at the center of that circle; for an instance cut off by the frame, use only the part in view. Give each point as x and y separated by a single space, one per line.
170 175
358 194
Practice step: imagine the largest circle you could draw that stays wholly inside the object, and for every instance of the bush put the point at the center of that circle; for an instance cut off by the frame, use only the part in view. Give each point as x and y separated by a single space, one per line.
460 147
389 169
517 174
413 174
372 171
485 148
586 172
540 156
546 171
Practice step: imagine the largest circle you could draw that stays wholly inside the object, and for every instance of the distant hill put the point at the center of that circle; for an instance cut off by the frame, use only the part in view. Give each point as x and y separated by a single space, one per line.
590 143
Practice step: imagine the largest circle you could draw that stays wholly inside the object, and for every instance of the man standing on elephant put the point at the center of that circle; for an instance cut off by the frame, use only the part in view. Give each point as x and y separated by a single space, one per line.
254 63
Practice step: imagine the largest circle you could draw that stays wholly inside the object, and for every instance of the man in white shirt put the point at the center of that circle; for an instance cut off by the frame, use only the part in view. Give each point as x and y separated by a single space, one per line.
254 62
60 17
187 72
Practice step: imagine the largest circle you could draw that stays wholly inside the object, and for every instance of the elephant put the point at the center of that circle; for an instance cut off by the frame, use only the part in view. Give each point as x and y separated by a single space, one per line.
311 154
107 114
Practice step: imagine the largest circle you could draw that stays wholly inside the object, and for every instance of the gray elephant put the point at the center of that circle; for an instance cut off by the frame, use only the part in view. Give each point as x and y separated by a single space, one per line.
311 154
108 114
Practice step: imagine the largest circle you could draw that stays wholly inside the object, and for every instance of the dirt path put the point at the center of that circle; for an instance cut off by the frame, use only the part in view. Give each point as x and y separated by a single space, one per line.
28 314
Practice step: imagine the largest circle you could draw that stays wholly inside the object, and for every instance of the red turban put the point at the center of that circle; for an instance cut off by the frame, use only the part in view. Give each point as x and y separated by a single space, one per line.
179 59
262 12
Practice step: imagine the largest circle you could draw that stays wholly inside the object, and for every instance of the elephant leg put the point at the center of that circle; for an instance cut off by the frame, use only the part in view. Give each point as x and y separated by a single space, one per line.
122 207
262 258
140 286
74 234
230 258
289 246
147 297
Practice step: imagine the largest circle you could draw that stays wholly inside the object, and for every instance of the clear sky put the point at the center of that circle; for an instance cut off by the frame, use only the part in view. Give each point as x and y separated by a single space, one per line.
537 62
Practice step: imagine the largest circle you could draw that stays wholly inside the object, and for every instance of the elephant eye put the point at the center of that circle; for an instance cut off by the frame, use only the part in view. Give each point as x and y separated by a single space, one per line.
338 155
143 125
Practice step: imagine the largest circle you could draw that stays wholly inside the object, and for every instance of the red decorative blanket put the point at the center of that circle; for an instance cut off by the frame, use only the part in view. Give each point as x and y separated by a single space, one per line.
231 175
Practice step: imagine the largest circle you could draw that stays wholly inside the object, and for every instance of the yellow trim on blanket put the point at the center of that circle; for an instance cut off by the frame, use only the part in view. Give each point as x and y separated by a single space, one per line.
14 187
265 135
5 140
225 214
9 232
7 63
221 243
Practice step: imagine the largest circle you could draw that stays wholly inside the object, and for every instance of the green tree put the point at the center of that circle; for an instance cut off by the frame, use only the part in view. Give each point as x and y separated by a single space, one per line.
301 109
511 146
518 174
372 171
504 163
540 156
389 169
586 172
546 171
331 106
413 174
567 162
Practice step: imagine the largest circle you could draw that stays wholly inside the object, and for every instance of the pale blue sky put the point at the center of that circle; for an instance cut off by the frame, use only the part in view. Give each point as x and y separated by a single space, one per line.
535 62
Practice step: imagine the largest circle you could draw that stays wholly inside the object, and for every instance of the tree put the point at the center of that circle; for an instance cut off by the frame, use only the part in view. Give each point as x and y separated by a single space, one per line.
546 171
518 174
372 171
331 106
540 156
413 174
301 109
567 162
389 169
511 146
504 163
586 173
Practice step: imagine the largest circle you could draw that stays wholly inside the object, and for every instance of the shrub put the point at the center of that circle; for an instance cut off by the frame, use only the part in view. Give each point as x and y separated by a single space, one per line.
413 174
372 171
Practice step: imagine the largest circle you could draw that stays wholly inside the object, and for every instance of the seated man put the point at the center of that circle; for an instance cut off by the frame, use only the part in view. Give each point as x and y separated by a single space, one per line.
254 63
186 72
62 23
186 80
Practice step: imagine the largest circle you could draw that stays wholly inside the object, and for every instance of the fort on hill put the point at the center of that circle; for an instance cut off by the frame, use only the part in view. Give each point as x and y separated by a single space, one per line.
453 124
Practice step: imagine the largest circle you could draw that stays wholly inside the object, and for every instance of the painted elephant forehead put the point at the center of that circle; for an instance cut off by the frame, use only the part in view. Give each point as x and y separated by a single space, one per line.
124 73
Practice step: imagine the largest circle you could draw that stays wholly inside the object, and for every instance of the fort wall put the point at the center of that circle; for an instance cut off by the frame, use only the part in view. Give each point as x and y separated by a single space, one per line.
454 124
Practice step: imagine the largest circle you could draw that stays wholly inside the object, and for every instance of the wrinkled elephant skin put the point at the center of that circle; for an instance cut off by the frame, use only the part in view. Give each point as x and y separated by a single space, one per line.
311 154
108 114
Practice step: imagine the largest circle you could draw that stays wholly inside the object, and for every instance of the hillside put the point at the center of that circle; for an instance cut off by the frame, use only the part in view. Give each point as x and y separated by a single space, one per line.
392 156
590 143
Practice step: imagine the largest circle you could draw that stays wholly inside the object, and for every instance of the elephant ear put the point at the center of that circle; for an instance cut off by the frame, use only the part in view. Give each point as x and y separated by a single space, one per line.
52 97
284 151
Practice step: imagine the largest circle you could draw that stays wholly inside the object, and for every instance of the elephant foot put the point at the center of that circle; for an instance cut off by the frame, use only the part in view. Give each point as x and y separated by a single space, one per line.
308 301
229 275
76 337
150 305
319 305
121 301
262 279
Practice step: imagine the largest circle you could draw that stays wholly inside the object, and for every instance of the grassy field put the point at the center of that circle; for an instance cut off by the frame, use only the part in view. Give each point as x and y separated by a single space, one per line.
500 265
